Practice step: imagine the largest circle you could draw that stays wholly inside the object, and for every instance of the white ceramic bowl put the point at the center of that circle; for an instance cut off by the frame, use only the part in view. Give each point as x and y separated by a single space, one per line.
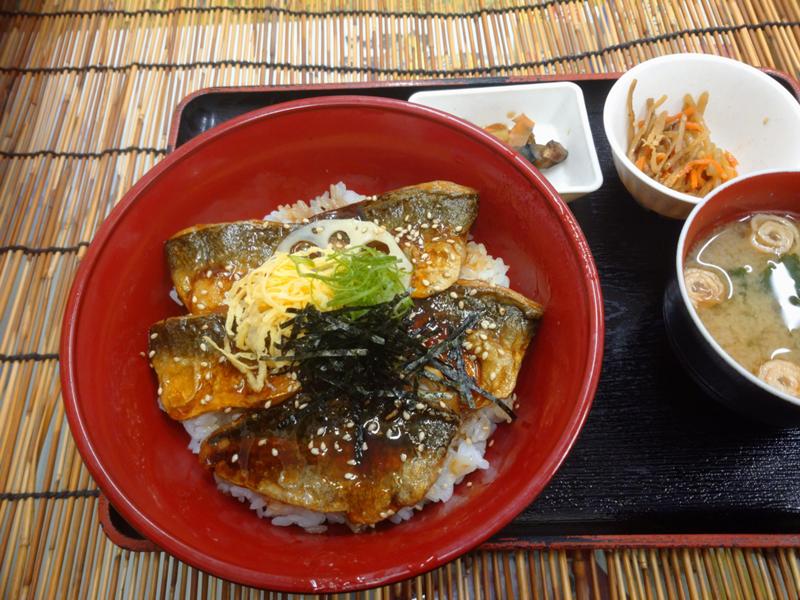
557 108
749 114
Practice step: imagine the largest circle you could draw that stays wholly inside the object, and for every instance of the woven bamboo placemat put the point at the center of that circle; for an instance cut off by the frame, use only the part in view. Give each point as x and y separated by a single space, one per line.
87 90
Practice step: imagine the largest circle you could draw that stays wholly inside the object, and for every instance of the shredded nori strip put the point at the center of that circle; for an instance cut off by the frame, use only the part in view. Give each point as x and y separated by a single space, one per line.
375 357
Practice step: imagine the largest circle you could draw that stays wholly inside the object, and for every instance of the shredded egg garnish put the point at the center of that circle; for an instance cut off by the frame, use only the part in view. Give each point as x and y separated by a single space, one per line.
260 302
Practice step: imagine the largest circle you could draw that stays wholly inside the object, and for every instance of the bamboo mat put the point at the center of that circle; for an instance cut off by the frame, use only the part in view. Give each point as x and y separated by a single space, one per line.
87 90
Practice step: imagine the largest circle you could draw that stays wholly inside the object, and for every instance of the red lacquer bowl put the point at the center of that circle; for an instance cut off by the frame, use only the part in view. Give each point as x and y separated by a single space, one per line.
243 169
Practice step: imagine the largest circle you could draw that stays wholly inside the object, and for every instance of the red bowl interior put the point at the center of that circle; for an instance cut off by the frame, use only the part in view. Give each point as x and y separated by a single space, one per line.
244 169
765 192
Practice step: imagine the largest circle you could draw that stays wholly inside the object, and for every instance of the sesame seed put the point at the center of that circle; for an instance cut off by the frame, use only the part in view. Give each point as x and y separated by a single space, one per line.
320 431
459 228
485 355
350 476
268 403
151 354
406 415
227 410
204 292
425 226
234 458
420 448
160 390
262 442
467 345
364 446
421 435
176 359
403 457
208 376
461 305
206 399
303 405
442 404
315 451
142 354
419 406
407 218
351 461
274 452
203 364
209 273
201 306
203 346
469 484
194 299
221 359
492 375
323 446
483 336
153 336
337 446
426 282
485 324
491 443
347 437
502 310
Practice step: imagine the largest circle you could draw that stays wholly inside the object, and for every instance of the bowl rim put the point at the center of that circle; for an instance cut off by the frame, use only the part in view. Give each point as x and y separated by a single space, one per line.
451 547
619 153
593 183
698 323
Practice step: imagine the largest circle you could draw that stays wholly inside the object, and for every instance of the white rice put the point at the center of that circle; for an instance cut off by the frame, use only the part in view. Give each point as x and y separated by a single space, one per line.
466 452
202 426
337 196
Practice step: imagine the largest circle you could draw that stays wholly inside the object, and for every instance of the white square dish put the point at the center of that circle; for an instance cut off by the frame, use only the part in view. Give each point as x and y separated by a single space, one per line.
557 108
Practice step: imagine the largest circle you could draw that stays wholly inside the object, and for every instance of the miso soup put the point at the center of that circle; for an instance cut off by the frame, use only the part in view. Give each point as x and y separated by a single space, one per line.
744 282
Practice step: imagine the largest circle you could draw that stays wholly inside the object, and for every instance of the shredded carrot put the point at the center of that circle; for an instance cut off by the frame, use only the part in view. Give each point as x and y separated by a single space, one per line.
676 149
695 180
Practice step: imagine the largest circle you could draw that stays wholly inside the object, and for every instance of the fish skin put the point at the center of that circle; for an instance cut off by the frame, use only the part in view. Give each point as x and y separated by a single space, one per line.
194 252
383 482
435 245
515 319
185 383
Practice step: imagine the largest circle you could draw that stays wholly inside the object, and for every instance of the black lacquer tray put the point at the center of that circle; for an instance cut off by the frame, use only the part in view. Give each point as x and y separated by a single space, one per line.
658 462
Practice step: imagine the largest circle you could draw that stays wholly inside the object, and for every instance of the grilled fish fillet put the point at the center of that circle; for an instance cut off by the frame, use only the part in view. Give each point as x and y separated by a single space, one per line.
306 455
431 222
194 378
